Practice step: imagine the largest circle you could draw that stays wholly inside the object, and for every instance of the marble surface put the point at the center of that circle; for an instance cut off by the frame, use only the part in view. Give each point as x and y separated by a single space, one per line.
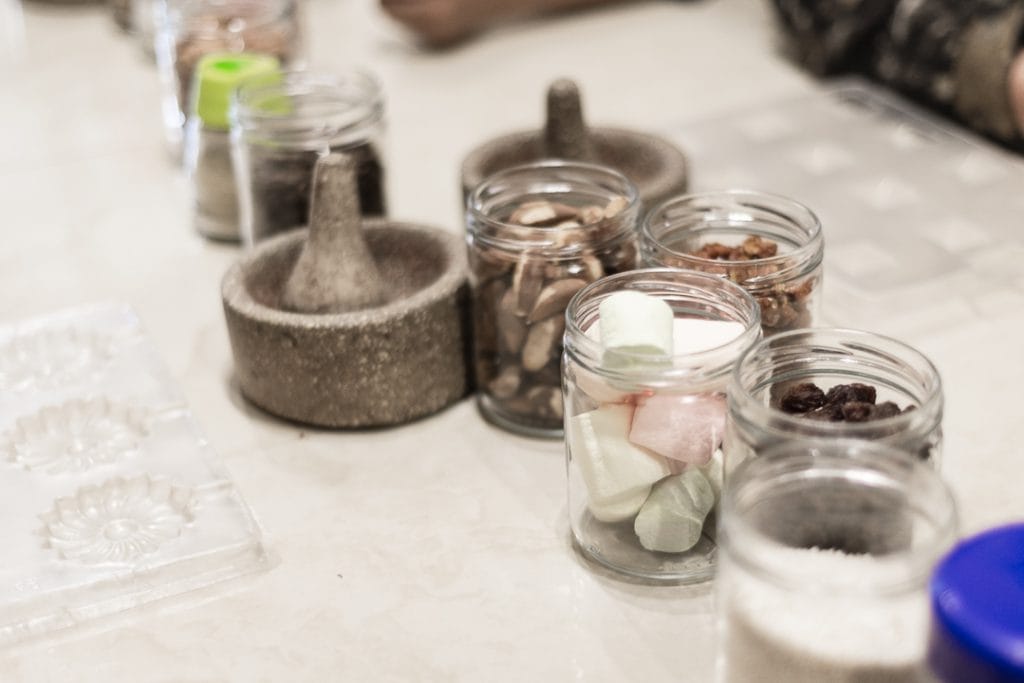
438 551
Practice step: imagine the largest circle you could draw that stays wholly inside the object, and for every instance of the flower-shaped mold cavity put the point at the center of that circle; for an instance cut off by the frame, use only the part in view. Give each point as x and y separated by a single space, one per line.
118 521
75 436
51 359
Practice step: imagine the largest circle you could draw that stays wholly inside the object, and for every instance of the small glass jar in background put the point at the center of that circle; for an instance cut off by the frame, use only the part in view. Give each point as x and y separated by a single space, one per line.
642 438
865 386
190 29
825 552
977 598
536 235
280 130
771 246
208 152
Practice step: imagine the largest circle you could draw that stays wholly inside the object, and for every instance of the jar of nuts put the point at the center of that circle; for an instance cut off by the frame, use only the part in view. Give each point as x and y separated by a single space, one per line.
537 234
832 384
771 246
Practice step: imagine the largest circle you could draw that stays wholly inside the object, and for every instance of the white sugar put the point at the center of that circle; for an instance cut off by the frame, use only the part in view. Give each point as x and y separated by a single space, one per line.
831 629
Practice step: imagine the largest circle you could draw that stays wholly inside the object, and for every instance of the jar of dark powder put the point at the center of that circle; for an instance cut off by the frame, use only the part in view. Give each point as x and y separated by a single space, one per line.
536 235
825 551
769 245
208 149
280 130
834 384
190 29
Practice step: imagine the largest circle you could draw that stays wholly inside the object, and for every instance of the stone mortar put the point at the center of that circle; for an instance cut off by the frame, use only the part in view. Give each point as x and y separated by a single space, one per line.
376 367
656 166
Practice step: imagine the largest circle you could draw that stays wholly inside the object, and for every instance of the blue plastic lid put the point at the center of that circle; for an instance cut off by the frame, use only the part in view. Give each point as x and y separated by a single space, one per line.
977 591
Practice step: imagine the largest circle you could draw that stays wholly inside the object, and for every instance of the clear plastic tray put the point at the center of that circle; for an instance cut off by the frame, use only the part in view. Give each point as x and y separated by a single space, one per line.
112 497
921 220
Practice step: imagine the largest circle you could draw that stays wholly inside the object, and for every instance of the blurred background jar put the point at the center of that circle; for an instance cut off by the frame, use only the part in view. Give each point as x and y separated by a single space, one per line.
825 552
190 29
769 245
279 131
643 436
536 235
208 141
834 383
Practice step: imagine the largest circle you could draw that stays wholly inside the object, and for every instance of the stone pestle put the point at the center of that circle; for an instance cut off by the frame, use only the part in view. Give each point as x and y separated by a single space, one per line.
565 132
335 273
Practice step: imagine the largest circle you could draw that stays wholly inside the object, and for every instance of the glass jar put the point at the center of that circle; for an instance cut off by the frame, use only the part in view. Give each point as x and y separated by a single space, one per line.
771 246
524 268
208 160
826 550
642 436
190 29
770 402
280 130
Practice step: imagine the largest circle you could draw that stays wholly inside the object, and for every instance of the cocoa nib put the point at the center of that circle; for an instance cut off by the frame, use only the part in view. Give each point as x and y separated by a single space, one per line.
842 403
753 247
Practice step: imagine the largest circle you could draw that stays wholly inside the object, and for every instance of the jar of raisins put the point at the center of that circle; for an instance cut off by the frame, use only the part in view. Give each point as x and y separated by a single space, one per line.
828 384
536 235
643 432
769 245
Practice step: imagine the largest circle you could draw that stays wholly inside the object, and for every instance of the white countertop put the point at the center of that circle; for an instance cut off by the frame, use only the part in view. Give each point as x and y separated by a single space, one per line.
438 551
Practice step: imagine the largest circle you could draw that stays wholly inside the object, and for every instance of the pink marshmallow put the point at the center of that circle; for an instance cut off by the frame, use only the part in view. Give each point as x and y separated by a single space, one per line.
685 428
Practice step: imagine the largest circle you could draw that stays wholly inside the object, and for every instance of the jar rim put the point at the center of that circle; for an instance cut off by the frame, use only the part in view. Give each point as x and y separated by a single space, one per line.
590 351
742 396
852 461
804 258
351 103
544 239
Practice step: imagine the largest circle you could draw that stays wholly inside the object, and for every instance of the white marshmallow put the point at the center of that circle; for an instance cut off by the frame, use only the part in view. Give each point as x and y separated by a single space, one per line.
672 517
617 474
635 323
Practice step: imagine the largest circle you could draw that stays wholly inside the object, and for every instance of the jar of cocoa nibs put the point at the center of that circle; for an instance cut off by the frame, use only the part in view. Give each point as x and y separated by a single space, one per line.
537 234
279 131
648 355
191 29
769 245
830 384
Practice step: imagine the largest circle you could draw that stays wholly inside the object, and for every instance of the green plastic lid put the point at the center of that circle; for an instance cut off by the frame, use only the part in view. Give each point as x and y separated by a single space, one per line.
217 76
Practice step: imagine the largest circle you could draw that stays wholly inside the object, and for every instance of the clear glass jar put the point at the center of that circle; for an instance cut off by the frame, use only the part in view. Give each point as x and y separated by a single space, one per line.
637 433
767 380
280 130
189 29
522 277
826 551
769 245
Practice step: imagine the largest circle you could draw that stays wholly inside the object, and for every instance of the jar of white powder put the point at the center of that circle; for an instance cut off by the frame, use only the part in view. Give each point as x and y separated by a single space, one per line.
826 550
834 384
647 357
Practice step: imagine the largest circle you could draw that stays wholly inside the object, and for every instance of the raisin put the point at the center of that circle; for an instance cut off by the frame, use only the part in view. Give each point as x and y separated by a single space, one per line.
844 393
857 411
826 413
884 410
802 398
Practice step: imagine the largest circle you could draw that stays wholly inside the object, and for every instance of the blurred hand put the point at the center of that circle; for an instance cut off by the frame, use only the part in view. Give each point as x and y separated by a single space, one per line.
1016 86
440 22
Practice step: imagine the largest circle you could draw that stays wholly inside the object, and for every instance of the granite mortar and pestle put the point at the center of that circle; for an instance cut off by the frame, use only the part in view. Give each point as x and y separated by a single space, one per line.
352 322
656 166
